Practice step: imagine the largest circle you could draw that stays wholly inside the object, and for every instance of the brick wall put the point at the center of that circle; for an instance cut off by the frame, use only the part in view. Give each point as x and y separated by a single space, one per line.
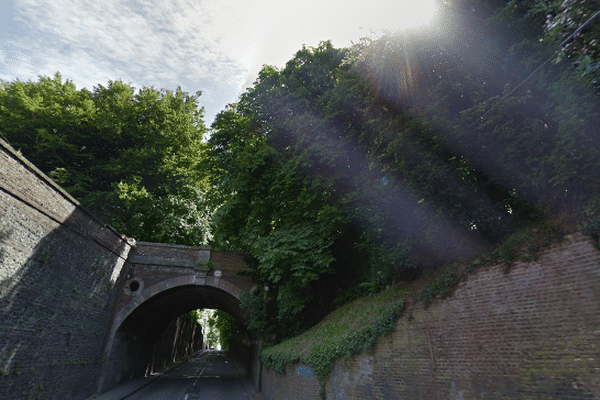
58 266
290 386
533 333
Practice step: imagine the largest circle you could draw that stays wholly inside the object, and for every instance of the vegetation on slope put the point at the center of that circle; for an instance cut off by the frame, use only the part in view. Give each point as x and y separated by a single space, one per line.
347 331
355 326
364 166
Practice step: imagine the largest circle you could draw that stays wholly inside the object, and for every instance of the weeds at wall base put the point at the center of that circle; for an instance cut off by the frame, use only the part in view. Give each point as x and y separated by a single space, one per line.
323 355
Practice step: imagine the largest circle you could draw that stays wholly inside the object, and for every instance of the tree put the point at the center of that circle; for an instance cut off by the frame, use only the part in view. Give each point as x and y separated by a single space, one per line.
268 205
228 328
131 158
422 152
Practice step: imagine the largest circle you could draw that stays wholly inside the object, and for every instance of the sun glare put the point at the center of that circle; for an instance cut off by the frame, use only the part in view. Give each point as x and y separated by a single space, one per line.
407 15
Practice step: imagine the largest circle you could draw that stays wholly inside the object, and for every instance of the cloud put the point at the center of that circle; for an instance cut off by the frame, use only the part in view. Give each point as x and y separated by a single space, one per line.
217 47
162 44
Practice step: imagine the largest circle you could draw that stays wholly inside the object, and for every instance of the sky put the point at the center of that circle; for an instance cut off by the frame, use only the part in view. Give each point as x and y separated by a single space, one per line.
213 46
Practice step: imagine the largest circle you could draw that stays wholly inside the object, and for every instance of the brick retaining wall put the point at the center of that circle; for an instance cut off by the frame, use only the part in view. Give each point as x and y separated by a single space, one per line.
58 265
533 333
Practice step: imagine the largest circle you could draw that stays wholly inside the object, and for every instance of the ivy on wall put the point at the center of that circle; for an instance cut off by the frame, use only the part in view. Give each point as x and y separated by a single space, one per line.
323 355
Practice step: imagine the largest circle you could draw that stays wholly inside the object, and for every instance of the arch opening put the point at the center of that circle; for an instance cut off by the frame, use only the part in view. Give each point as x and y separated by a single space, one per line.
146 341
219 329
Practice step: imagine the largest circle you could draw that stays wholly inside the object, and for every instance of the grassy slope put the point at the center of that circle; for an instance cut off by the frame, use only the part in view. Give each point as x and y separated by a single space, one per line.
354 327
347 319
348 330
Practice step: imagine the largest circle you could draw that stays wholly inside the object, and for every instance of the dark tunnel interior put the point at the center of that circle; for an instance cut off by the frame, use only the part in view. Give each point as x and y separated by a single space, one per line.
136 340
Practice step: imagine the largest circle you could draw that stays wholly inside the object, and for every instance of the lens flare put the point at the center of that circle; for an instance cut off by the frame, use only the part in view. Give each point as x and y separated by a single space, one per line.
407 15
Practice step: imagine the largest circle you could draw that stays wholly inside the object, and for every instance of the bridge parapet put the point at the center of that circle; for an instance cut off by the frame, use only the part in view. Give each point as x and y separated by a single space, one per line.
152 263
154 267
170 255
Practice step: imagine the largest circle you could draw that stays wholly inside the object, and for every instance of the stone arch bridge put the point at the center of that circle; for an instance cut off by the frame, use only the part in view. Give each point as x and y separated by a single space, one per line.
82 305
161 281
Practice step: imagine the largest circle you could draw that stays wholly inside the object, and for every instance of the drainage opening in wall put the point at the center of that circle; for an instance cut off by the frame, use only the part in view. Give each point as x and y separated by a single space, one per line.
133 286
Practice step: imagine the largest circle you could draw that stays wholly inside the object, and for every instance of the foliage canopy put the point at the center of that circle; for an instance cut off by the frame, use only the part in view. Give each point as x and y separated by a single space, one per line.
131 158
404 153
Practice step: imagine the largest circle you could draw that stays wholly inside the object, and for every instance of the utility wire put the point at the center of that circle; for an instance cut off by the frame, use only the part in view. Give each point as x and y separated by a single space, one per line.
578 30
561 47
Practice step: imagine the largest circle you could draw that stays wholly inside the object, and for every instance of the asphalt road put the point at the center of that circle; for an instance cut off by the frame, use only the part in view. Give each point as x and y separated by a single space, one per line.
209 375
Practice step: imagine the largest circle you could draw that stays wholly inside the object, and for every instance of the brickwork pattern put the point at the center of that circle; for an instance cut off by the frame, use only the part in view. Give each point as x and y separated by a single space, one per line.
162 277
58 266
174 252
533 333
233 267
230 260
291 386
183 269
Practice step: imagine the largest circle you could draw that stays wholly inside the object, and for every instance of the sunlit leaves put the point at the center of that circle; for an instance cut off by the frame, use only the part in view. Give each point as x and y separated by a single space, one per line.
420 143
182 218
131 156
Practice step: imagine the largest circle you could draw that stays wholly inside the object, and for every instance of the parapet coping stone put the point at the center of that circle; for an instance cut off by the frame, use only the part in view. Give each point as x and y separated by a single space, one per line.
177 246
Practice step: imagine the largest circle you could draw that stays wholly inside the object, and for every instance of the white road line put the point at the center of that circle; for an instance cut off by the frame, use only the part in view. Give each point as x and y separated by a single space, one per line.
204 367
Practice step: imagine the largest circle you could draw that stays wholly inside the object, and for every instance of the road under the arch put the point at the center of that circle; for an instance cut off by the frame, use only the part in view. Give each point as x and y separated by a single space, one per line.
139 333
209 374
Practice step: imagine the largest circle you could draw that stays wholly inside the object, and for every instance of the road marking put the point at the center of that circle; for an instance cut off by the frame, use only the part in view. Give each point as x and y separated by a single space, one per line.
202 370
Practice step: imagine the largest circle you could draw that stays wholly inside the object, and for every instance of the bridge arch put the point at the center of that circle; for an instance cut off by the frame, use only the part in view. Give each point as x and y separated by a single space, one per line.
157 290
186 280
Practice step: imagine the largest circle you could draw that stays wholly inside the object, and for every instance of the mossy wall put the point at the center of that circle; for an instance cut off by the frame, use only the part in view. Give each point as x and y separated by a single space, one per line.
531 333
